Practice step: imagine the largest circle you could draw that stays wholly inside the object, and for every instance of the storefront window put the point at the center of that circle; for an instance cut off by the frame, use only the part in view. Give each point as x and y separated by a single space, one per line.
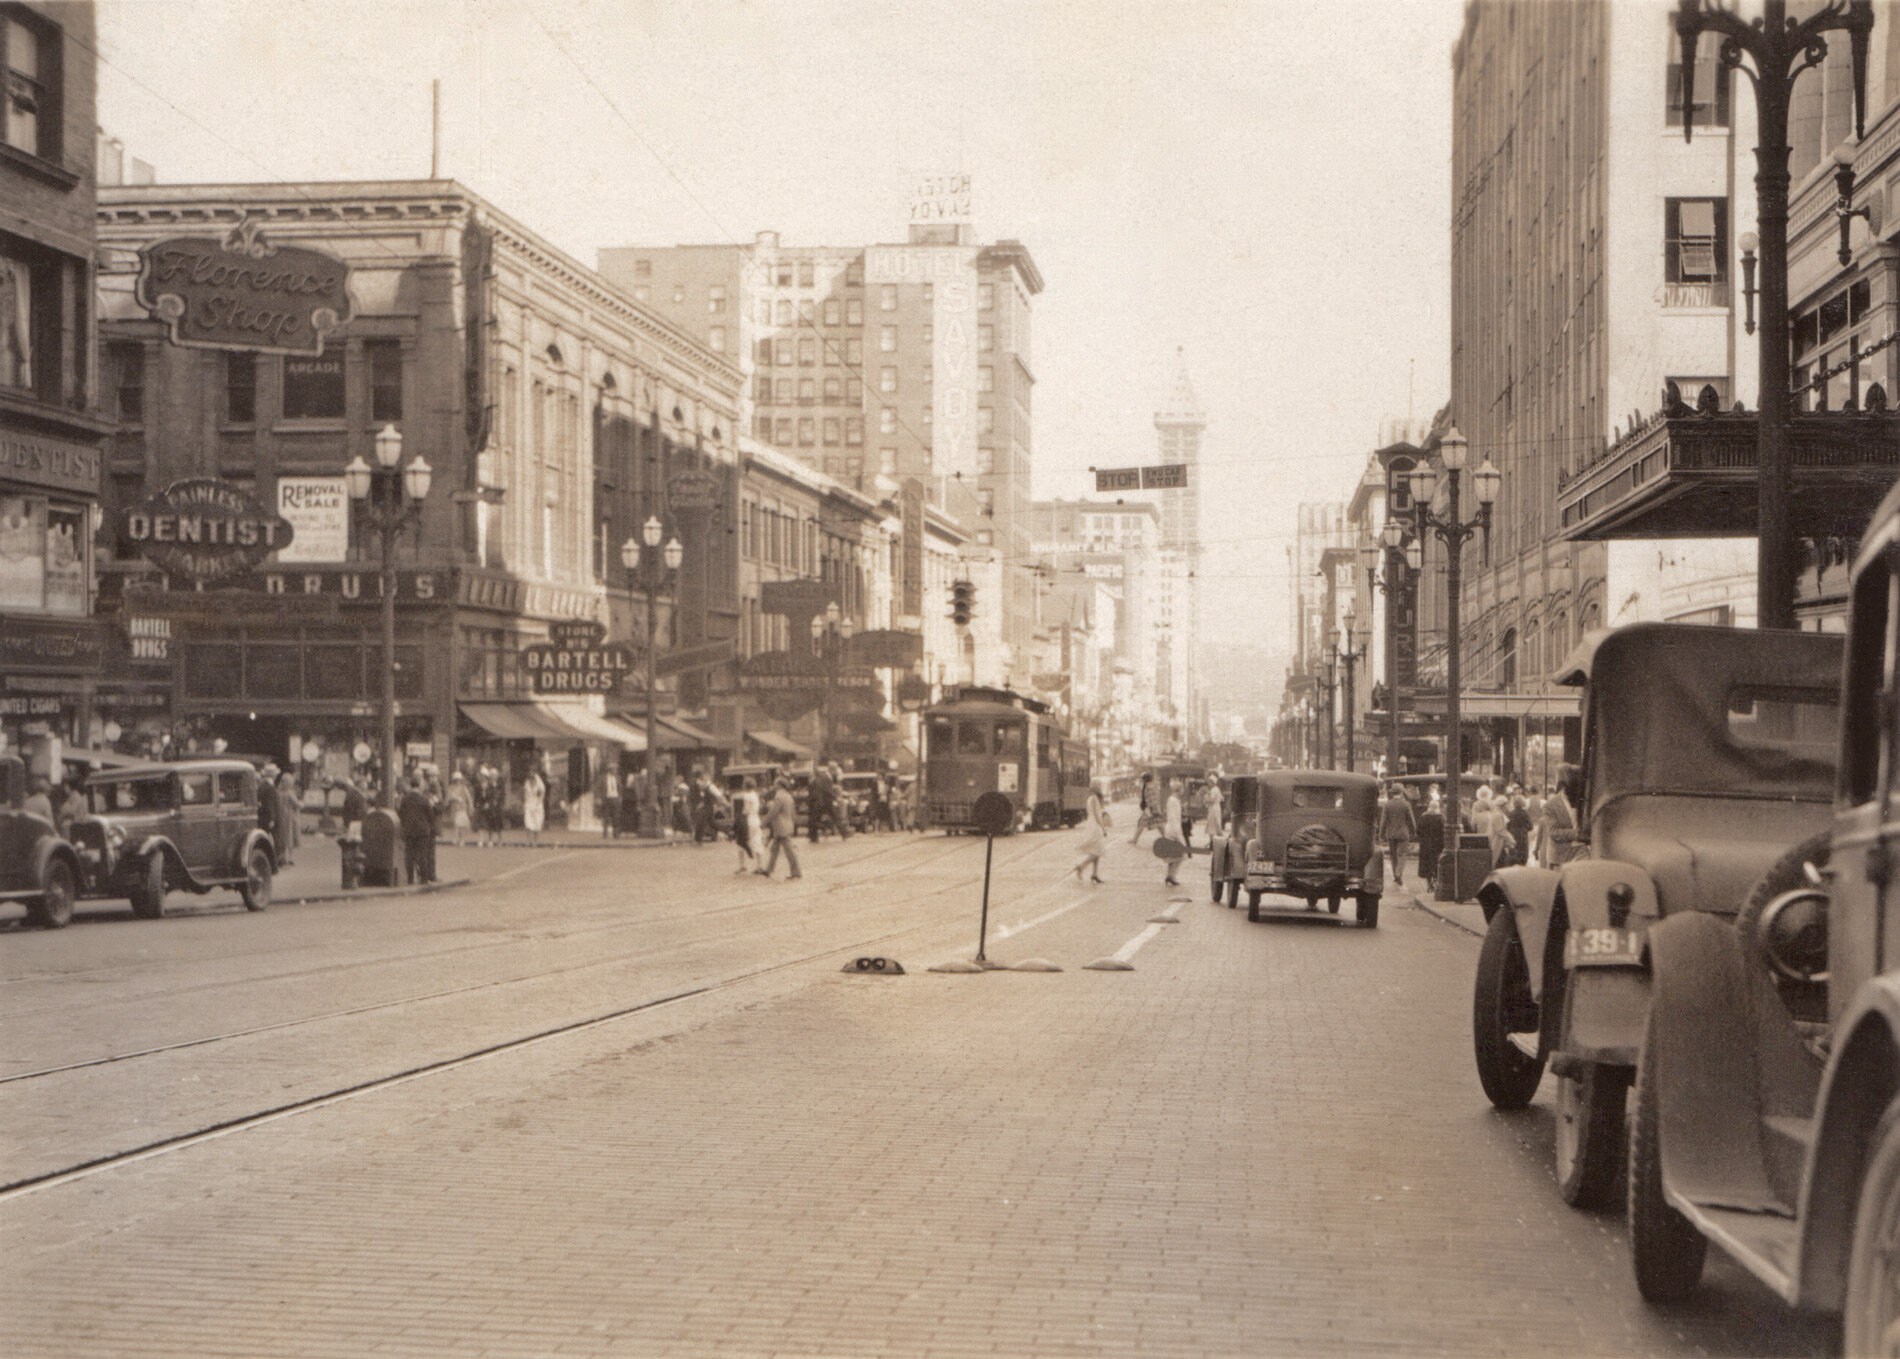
42 556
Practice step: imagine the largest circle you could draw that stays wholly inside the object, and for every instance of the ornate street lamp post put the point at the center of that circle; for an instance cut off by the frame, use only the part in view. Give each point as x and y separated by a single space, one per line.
1401 552
1453 531
389 498
652 572
1350 651
1326 681
830 633
1780 49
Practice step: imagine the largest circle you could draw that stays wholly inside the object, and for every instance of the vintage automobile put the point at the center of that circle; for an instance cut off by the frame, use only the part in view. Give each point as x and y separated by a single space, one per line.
38 867
189 825
1766 1117
1312 834
1227 851
1707 752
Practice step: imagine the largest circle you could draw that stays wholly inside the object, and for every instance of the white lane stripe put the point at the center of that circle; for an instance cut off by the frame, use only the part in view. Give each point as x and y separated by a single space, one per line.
1018 928
1128 950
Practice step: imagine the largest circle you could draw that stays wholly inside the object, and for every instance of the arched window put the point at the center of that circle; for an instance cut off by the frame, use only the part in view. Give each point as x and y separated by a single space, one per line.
1507 658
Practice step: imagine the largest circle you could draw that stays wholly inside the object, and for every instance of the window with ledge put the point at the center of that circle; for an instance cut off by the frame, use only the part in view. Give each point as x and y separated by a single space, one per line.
854 274
986 379
831 431
1711 85
1826 338
806 273
854 391
1695 252
807 352
854 352
985 296
887 297
854 431
240 388
807 431
887 421
854 311
887 379
716 298
716 339
832 311
313 388
127 359
834 391
887 339
30 56
385 381
985 338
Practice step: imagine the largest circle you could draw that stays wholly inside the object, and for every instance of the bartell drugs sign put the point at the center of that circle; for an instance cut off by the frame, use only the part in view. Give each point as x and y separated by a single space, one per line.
578 661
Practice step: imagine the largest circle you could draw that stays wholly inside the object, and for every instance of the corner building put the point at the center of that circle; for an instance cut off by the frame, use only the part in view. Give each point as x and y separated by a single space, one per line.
556 413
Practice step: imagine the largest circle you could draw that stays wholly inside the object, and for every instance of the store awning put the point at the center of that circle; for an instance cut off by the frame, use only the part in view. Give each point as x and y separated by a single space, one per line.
676 733
555 723
783 745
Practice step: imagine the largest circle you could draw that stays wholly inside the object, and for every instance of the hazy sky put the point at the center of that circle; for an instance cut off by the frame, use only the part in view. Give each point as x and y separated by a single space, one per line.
1264 186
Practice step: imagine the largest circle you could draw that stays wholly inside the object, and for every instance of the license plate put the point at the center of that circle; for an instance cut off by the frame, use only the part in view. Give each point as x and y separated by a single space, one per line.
1603 948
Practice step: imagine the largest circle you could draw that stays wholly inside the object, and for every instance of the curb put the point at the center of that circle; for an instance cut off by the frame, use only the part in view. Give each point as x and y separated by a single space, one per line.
582 844
1420 904
368 893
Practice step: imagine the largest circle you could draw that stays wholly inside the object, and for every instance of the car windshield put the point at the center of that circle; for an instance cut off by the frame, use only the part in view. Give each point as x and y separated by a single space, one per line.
131 795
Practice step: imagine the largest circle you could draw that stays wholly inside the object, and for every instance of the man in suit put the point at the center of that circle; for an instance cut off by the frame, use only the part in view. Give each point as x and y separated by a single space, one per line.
781 823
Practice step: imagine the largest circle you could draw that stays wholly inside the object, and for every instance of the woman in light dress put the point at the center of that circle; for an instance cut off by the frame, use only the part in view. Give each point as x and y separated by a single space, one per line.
1094 841
461 800
746 829
534 805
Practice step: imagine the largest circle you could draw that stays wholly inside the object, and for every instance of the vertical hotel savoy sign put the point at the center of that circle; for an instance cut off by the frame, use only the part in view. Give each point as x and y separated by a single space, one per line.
243 292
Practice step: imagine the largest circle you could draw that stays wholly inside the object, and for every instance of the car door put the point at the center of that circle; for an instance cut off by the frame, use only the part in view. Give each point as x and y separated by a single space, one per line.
197 822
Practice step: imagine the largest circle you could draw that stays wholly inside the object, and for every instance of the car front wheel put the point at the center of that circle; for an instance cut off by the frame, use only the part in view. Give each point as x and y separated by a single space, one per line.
257 879
148 900
54 909
1590 1134
1503 1010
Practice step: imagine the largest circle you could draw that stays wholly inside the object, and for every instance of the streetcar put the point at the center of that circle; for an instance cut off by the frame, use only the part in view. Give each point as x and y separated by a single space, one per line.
982 740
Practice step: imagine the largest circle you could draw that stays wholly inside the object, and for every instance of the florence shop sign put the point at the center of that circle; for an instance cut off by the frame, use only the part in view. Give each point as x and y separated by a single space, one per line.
243 292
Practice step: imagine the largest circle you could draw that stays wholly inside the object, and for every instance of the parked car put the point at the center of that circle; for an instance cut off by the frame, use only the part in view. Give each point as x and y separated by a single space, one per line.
1707 752
856 789
1766 1118
156 828
1312 834
38 866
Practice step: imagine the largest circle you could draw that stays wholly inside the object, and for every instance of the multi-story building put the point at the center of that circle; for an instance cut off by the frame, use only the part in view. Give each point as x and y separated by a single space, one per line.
558 415
880 365
52 653
1593 265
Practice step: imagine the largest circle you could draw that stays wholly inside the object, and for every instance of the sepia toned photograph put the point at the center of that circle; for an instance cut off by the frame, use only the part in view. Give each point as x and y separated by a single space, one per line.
923 679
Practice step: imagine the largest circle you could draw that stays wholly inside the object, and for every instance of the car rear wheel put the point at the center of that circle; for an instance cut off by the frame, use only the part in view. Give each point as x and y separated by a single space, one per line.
1233 893
1590 1135
257 879
54 909
148 901
1253 905
1369 910
1666 1251
1502 1009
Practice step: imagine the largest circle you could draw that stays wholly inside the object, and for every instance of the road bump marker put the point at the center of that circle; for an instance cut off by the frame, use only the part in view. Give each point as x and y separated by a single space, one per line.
1120 960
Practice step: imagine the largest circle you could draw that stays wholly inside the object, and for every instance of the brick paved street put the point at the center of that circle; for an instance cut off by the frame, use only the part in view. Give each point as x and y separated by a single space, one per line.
1266 1139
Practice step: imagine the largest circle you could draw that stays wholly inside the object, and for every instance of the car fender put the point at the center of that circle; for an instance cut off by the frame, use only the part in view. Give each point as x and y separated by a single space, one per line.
1861 1080
1531 894
254 837
1708 1094
1586 884
1372 875
1217 857
51 848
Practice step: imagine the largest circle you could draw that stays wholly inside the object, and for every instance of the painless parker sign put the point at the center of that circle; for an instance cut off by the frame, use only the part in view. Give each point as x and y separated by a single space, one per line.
243 292
579 660
205 529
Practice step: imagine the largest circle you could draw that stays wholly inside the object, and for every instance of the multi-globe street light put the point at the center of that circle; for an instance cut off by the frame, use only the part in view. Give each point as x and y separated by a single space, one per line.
652 571
1399 548
830 635
1779 48
1350 649
1454 531
388 497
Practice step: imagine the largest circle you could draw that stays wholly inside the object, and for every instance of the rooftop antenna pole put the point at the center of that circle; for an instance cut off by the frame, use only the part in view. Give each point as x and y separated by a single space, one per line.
435 129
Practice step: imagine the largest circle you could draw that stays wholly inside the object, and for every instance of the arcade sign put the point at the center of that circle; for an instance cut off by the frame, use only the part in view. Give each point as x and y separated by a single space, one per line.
205 529
242 292
578 660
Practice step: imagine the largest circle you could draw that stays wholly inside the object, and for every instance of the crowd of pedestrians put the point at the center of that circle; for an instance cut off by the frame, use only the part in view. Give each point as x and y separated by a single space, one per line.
1520 825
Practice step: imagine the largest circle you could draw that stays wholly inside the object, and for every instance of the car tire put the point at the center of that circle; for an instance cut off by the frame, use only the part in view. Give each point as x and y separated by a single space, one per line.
1590 1135
54 908
1332 904
1233 893
256 886
1214 883
1502 1005
1253 905
1666 1251
1873 1305
1369 910
148 901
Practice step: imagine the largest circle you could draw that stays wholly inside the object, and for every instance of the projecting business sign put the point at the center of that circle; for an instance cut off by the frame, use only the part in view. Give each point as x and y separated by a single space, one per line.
1172 476
240 291
577 661
205 529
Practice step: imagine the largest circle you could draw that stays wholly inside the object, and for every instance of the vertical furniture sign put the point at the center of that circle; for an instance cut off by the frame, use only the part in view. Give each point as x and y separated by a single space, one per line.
318 511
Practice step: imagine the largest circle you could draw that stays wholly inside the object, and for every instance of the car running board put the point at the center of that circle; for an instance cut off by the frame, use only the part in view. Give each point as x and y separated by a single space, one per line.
1765 1244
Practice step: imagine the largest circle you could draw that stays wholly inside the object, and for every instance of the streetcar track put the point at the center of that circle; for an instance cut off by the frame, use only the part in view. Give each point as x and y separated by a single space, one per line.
521 979
950 846
225 1127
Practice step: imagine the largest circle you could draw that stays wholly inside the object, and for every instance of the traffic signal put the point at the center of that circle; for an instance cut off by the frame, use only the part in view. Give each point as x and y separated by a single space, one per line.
962 602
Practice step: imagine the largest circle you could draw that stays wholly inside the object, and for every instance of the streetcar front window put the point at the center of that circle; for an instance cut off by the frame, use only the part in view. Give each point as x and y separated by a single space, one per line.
973 737
941 741
1009 740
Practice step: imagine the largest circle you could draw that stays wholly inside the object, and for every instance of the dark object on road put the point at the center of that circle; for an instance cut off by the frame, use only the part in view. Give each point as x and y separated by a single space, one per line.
876 967
1462 871
156 828
1706 753
1766 1117
1310 834
38 866
1167 848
